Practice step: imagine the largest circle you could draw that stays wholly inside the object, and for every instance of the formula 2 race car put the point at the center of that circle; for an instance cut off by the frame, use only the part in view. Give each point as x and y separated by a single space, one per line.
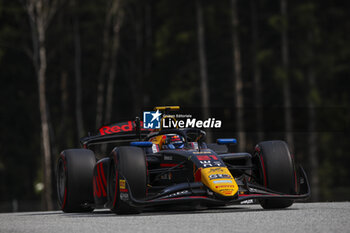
174 167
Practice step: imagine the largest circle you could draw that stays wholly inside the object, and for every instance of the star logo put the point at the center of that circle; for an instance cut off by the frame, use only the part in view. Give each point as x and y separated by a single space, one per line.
151 119
155 115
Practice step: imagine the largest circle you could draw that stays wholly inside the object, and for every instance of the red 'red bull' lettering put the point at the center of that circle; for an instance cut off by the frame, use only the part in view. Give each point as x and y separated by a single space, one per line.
203 157
127 127
116 128
207 157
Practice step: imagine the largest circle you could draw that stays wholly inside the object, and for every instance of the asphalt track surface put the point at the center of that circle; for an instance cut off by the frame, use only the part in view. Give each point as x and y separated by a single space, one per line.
301 217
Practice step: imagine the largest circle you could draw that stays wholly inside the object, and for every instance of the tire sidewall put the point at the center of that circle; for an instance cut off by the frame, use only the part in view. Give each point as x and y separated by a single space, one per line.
78 167
276 171
120 168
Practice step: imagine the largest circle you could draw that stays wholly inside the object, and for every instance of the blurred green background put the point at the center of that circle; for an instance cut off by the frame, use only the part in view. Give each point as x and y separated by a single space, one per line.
267 69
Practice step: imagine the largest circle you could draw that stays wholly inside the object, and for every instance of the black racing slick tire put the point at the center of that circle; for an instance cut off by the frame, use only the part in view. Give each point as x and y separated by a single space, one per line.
276 171
128 174
74 180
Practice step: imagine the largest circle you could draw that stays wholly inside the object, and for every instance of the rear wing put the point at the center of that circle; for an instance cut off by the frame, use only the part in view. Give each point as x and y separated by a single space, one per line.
117 132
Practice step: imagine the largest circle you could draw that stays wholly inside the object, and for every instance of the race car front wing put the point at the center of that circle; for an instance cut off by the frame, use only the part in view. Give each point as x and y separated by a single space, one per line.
193 192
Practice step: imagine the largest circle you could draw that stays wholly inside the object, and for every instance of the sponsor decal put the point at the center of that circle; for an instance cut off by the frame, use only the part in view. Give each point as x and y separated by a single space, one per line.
166 176
227 192
124 196
222 181
217 169
202 152
151 119
121 184
168 157
116 128
120 128
224 186
180 193
247 202
194 145
155 148
219 176
207 157
219 179
203 157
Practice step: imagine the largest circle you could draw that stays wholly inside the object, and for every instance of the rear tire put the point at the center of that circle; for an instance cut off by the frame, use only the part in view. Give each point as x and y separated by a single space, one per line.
276 171
74 180
128 165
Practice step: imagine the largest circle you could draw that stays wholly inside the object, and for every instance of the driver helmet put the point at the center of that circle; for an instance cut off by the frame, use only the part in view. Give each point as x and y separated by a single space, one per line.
173 141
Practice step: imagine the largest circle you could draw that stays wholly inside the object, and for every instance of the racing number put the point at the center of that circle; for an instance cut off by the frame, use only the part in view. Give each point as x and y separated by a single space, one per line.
206 163
209 160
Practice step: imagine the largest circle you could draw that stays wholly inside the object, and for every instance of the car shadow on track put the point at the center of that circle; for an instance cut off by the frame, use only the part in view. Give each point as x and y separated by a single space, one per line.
175 211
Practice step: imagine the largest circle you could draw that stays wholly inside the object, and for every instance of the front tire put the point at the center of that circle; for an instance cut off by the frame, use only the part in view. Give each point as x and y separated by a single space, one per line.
127 171
276 171
74 180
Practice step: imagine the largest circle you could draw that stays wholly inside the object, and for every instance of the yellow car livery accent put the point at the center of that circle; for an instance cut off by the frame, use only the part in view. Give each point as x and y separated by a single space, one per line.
159 140
219 180
122 184
173 108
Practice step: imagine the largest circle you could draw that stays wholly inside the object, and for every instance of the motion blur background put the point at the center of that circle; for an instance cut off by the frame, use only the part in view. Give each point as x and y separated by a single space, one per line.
268 69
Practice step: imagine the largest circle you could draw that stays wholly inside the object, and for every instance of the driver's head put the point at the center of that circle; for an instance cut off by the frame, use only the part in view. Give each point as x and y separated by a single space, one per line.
173 141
